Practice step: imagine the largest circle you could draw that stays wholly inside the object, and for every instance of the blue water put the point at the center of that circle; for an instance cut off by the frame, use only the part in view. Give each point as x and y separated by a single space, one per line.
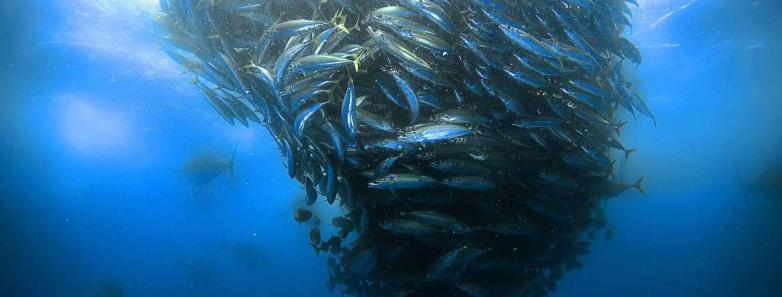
96 124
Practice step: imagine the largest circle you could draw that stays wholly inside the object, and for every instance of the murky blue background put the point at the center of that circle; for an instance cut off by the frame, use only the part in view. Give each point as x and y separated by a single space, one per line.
96 123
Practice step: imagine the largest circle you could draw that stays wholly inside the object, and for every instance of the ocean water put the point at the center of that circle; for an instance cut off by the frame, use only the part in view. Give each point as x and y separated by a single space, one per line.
97 124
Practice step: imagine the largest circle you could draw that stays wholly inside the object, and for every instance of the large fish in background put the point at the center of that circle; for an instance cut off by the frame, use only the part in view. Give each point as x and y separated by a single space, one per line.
468 141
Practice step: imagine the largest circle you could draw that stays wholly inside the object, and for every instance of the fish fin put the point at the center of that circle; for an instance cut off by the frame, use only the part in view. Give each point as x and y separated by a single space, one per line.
356 27
639 185
317 250
611 168
628 153
618 127
251 66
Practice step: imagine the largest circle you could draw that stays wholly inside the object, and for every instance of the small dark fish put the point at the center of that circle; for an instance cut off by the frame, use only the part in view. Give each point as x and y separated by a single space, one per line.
346 192
315 236
290 157
340 222
331 283
302 215
331 182
311 192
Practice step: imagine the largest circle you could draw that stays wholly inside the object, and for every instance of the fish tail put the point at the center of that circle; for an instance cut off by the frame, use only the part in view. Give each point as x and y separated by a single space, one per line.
618 127
357 26
356 63
628 153
639 185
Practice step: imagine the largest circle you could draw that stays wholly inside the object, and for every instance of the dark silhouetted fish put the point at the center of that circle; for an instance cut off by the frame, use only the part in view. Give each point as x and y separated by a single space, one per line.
204 168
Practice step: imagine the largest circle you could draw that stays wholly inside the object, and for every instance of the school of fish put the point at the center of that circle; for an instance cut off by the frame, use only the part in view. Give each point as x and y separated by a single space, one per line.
469 143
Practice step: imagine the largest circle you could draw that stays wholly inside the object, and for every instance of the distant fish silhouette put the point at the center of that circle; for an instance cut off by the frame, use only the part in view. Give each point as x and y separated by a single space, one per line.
204 168
251 255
